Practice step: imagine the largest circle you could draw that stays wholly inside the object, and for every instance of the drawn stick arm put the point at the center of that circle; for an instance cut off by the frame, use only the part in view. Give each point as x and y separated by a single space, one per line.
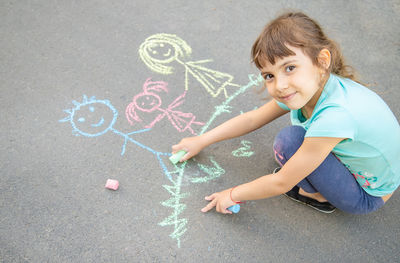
200 61
157 119
139 131
177 102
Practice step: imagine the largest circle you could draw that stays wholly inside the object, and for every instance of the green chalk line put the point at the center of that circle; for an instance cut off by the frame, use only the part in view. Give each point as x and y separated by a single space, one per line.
180 224
243 151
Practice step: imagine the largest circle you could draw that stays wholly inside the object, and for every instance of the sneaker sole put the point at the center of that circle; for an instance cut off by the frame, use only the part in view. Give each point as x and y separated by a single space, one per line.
322 211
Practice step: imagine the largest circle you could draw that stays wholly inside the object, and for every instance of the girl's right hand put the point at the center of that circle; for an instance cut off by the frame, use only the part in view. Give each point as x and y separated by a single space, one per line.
191 145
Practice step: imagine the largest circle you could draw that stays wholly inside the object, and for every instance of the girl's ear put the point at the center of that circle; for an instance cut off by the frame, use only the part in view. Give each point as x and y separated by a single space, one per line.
324 58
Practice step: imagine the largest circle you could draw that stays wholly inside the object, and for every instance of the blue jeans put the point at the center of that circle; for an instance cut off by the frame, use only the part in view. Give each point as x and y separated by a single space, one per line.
332 179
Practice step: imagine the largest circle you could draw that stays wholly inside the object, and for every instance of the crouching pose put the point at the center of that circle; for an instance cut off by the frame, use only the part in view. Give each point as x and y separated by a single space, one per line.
343 149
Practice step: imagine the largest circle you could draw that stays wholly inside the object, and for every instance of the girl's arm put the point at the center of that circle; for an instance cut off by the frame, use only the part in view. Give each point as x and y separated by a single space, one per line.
308 157
232 128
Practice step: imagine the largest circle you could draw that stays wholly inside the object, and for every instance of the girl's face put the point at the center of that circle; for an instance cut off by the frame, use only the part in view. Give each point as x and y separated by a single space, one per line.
294 81
161 51
147 102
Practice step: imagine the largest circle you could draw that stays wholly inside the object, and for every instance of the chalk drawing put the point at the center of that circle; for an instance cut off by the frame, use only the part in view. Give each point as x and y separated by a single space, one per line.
224 106
149 101
160 50
243 151
174 202
212 171
93 117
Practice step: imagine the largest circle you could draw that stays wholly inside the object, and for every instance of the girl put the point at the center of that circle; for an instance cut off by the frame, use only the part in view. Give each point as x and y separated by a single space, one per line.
343 149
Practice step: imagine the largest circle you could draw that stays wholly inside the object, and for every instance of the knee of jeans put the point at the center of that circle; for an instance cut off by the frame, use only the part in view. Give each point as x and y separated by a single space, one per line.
364 206
287 141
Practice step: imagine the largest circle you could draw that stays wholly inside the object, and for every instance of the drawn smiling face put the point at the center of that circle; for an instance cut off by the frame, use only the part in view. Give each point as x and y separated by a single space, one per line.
93 118
147 102
162 51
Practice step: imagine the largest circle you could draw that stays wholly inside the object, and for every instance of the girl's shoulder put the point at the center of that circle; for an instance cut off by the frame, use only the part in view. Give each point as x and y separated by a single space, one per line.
350 94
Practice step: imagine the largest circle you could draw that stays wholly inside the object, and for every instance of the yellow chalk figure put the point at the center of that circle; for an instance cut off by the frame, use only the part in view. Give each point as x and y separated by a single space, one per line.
160 50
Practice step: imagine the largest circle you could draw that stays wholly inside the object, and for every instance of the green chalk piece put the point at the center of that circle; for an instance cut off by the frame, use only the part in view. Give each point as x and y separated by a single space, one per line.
177 156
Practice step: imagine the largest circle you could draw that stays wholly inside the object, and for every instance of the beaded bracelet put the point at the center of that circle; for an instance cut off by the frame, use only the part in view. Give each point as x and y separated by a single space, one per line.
236 202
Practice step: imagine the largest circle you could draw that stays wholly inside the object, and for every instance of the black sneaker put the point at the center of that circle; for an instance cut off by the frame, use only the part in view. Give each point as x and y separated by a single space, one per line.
276 170
324 207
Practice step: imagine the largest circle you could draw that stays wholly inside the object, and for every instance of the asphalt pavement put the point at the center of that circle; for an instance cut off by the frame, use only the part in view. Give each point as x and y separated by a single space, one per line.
97 90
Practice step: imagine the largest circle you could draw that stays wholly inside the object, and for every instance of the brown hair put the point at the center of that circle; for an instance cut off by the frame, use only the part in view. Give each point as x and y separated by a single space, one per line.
298 30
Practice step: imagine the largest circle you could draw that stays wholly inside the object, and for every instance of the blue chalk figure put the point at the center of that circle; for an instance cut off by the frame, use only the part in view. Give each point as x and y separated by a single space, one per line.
234 209
92 118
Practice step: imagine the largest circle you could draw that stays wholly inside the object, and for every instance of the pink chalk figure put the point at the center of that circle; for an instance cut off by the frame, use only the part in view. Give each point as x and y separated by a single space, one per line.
149 101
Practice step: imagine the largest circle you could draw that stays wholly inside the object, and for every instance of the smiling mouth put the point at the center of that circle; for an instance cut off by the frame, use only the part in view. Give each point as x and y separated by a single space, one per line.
99 123
168 53
288 97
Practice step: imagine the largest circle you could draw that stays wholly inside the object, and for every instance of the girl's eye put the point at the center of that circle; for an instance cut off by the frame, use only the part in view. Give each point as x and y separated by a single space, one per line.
290 68
268 76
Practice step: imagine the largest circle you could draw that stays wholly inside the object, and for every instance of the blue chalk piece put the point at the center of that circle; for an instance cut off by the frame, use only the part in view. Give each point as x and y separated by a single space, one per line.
234 209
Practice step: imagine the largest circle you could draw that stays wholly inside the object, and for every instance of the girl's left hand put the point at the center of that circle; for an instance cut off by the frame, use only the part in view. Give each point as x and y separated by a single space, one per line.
221 201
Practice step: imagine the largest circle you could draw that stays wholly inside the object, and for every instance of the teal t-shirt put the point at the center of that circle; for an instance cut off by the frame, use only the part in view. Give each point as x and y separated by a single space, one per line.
371 151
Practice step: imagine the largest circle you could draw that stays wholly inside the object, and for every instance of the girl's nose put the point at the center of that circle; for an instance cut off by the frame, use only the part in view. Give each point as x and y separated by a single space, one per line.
281 84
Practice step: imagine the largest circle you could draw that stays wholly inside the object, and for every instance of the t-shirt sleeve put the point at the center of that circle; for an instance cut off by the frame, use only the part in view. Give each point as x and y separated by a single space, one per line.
283 106
333 122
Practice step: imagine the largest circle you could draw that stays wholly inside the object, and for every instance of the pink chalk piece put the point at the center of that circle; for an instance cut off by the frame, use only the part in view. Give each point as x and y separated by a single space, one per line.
112 184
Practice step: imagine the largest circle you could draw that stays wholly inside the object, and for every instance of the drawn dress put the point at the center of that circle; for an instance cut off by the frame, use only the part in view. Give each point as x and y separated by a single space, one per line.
182 121
213 81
